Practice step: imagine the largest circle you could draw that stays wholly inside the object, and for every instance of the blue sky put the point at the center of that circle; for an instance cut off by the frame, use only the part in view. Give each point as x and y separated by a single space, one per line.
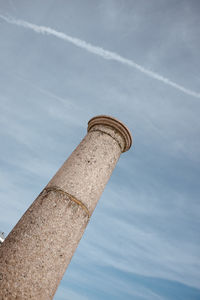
142 242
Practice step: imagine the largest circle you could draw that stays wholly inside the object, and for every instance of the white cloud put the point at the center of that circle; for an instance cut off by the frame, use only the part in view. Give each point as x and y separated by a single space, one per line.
100 52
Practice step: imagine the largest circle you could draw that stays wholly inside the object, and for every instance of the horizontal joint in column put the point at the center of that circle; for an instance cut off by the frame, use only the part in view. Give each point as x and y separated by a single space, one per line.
71 197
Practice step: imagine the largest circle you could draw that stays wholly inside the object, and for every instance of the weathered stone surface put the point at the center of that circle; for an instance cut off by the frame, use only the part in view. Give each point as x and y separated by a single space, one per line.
35 255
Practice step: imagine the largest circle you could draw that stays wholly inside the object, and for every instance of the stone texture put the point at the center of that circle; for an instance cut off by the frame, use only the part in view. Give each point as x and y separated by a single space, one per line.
35 255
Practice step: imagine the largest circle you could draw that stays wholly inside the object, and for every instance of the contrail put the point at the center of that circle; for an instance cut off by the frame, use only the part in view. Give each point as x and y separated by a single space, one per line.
98 51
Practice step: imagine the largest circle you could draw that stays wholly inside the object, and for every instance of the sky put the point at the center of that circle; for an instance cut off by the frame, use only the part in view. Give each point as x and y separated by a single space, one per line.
64 62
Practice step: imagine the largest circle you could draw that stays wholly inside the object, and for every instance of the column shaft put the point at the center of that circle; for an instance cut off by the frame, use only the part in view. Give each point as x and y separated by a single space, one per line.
36 253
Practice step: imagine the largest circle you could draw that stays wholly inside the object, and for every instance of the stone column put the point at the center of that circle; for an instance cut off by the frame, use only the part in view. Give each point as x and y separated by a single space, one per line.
35 255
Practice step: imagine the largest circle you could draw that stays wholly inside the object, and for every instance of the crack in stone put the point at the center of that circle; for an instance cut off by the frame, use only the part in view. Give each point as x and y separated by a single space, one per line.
109 135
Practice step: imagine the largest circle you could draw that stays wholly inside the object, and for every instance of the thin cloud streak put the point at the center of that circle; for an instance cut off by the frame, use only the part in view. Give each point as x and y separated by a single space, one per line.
98 51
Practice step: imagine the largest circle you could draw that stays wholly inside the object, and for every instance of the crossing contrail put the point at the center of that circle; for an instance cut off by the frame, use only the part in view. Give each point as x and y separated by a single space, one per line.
98 51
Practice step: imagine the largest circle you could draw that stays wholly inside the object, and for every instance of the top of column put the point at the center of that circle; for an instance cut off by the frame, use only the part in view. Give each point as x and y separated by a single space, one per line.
114 124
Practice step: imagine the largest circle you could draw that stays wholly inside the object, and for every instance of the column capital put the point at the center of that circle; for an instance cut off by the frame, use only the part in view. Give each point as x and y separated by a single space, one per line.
115 124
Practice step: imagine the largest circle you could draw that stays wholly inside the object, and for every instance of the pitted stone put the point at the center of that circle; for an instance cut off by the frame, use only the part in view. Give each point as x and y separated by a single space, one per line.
35 255
114 124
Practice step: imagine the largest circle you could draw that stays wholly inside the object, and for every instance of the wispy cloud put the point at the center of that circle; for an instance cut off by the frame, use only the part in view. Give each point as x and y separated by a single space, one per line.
99 51
138 240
